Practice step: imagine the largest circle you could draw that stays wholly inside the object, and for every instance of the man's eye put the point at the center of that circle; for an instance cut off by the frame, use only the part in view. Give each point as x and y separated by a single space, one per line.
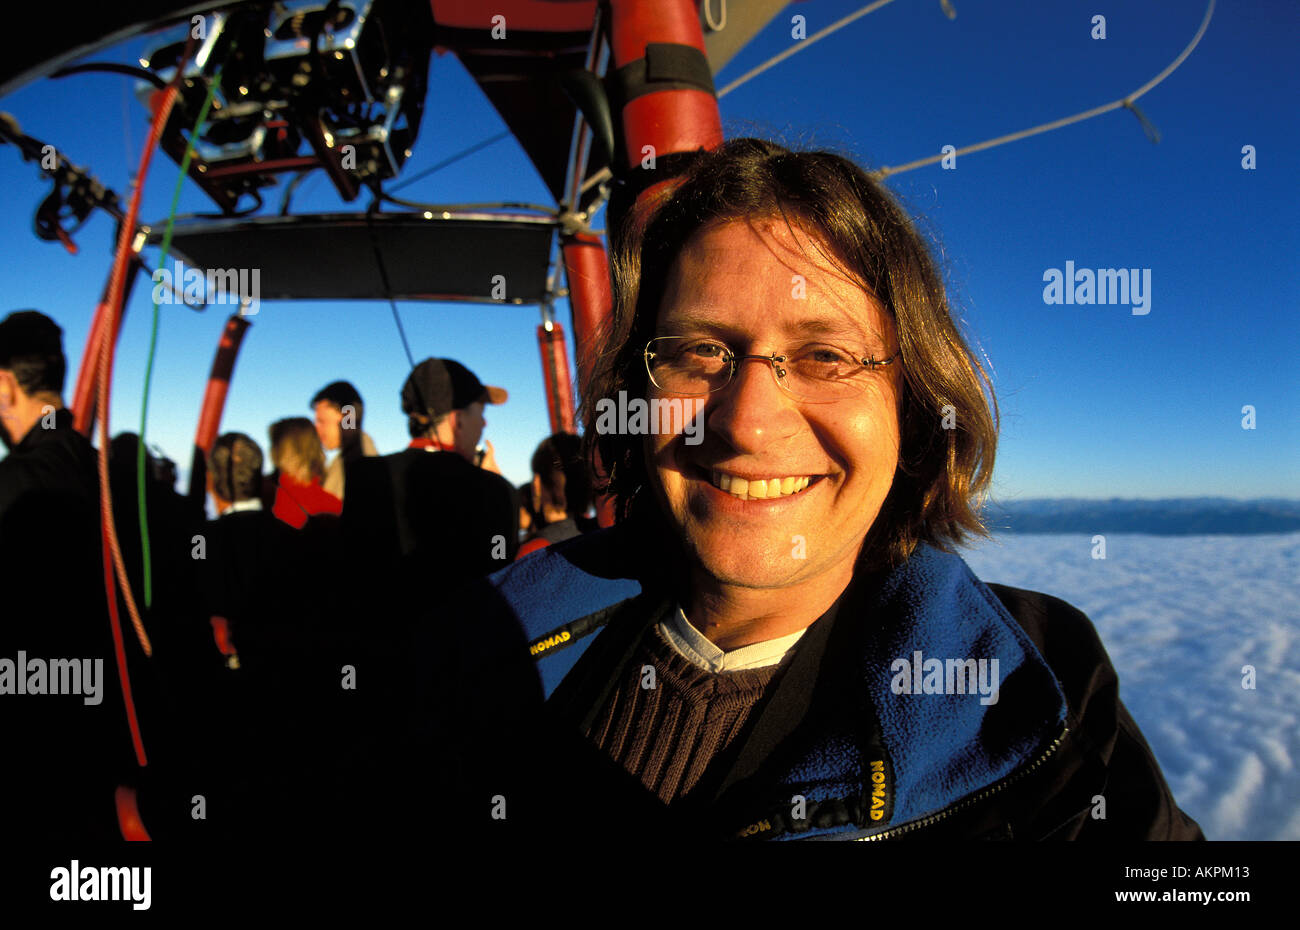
825 355
704 350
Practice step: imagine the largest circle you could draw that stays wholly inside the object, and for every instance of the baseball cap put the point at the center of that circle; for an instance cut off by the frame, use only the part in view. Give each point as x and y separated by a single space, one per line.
438 386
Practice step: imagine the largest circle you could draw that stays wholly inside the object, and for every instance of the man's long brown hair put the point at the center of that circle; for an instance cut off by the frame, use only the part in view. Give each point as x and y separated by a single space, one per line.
943 473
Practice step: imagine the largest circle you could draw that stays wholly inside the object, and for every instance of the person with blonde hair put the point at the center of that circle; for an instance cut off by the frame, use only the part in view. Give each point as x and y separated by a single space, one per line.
299 460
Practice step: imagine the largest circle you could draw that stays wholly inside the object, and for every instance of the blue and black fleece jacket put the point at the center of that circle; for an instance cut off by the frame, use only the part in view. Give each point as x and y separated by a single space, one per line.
881 725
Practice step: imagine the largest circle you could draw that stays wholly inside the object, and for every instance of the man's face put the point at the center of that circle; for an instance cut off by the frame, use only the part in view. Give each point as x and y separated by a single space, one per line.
736 282
469 427
328 418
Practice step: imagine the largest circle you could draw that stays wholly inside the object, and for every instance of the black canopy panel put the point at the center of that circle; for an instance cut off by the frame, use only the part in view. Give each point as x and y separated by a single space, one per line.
331 256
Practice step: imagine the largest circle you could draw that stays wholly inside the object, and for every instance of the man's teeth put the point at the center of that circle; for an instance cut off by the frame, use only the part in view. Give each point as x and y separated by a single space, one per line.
759 489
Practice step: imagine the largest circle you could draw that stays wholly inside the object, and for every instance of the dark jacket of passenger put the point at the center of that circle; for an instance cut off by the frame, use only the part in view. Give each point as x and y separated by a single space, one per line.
431 516
65 756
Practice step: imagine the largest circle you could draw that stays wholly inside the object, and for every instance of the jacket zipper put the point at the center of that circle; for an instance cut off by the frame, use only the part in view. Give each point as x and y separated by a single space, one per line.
973 799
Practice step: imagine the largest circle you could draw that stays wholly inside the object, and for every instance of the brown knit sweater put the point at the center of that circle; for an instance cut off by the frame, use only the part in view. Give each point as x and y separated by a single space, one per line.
668 735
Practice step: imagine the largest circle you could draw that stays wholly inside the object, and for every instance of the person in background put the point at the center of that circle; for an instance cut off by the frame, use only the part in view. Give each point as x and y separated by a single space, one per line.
180 691
64 753
561 492
45 452
299 461
428 513
339 410
246 546
443 698
265 614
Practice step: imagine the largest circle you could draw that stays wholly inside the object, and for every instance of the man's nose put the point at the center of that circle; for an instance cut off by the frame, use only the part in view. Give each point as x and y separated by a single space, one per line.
752 411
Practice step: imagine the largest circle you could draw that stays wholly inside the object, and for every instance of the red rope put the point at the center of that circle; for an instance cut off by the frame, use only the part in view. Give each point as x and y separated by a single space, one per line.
162 102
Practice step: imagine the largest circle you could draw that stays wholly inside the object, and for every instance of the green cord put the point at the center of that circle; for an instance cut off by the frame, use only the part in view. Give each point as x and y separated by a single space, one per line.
153 341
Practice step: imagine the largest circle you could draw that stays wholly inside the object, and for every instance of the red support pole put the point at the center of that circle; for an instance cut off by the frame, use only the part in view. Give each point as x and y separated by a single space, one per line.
669 121
653 122
658 122
223 369
587 268
214 404
555 374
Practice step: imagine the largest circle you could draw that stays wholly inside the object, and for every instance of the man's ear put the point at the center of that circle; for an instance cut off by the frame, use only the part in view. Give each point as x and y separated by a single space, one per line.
8 387
447 426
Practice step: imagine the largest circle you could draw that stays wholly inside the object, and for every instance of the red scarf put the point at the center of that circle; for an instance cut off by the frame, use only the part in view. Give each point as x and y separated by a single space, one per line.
426 442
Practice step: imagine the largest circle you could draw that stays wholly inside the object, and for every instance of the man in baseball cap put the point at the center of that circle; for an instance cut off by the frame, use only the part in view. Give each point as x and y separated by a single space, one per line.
429 511
445 693
444 402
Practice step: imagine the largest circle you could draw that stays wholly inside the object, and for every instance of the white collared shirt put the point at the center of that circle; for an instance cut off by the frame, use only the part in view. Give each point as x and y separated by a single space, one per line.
237 506
695 647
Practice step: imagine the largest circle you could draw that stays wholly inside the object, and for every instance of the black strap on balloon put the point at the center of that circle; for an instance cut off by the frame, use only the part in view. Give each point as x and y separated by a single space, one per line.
666 66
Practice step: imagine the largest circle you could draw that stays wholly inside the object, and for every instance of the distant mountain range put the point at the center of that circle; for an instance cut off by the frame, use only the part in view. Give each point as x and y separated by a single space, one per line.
1186 516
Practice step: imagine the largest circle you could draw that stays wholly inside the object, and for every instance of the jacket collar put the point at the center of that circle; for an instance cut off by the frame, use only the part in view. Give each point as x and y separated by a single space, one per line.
947 740
39 434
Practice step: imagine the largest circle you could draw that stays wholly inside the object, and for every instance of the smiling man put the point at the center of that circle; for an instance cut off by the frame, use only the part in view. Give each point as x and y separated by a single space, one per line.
801 438
776 639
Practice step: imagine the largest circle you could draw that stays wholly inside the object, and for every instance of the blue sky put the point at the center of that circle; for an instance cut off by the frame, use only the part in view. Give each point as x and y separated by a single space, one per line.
1095 401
